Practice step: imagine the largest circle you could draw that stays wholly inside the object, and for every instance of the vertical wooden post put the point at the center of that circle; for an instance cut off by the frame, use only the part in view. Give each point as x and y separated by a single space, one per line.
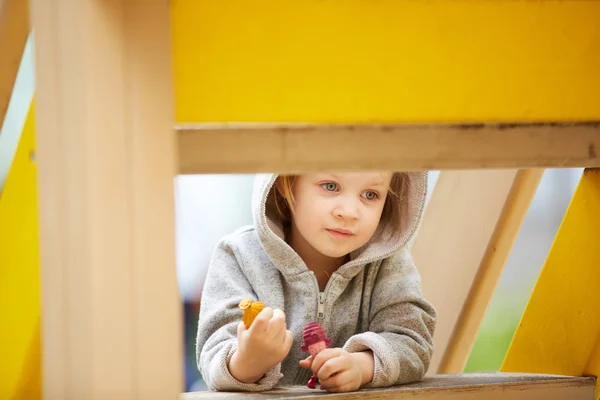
111 321
477 210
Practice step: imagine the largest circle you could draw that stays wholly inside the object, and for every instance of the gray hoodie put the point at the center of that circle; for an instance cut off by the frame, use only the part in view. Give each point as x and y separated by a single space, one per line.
373 301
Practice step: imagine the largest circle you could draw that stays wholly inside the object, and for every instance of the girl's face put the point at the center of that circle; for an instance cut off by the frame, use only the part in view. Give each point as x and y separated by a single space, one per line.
337 213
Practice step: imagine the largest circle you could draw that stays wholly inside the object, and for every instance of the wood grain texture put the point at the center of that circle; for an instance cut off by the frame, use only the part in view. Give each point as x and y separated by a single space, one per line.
468 386
14 29
454 357
465 206
111 321
249 148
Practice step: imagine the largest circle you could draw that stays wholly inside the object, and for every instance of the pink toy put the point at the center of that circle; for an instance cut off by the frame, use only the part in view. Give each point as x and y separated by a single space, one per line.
315 340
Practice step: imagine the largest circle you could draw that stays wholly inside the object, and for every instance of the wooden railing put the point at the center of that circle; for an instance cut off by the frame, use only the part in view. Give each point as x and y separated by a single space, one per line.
127 98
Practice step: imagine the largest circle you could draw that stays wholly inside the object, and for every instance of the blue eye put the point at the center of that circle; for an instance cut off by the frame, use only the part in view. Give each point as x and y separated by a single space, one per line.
370 195
329 186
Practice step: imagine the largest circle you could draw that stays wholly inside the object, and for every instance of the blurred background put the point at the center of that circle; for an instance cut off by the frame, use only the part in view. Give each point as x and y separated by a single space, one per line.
210 206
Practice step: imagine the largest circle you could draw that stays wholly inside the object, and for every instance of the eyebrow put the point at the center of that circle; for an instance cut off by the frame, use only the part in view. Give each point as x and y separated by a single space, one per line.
374 182
378 182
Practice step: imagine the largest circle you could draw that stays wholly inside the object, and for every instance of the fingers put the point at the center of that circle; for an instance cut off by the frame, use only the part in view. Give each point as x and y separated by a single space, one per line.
333 366
276 327
241 328
342 382
323 357
262 320
307 362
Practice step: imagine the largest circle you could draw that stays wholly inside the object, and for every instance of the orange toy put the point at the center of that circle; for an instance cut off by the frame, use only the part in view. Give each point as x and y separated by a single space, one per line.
251 310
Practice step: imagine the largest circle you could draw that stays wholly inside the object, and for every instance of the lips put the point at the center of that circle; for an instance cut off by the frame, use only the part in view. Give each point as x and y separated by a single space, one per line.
340 233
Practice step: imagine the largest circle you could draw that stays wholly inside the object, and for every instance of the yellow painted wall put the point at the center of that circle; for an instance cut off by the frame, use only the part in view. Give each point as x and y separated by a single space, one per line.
559 332
386 60
20 353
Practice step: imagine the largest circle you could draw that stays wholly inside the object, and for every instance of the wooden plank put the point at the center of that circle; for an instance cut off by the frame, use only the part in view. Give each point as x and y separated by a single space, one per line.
14 29
305 148
468 207
560 328
468 386
112 323
20 308
455 356
386 61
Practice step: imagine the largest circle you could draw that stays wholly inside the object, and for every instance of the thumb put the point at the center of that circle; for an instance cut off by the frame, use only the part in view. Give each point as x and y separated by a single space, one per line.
241 329
307 362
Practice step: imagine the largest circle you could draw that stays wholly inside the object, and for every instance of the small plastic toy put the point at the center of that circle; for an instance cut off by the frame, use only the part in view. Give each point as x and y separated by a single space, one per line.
251 310
315 340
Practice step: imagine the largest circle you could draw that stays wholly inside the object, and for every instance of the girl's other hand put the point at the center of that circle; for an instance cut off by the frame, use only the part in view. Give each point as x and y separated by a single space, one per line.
339 370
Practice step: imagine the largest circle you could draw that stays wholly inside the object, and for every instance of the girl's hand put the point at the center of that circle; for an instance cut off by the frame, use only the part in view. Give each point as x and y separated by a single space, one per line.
262 346
340 371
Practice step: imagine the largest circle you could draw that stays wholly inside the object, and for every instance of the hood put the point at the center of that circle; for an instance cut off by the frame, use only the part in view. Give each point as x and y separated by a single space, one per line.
384 242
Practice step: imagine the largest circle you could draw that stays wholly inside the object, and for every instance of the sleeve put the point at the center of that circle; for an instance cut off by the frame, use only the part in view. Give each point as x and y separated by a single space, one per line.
216 341
401 325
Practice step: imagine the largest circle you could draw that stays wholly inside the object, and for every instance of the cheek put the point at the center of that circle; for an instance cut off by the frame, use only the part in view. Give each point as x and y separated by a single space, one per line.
309 213
370 221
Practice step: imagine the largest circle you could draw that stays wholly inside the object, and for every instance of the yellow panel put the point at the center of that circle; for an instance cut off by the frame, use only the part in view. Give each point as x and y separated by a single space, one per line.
20 365
386 60
560 327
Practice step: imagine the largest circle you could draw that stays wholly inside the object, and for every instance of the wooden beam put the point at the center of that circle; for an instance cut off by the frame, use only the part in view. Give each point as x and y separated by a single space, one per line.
20 307
463 336
14 29
470 207
111 321
303 148
427 61
559 331
468 387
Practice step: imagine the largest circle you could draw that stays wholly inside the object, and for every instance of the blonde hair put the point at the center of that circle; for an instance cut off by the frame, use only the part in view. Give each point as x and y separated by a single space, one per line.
284 199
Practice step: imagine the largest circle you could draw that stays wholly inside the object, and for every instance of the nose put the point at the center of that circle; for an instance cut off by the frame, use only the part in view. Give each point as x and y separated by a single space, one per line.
346 209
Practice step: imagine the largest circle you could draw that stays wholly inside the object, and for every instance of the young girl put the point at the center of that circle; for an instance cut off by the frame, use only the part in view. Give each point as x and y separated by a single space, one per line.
326 248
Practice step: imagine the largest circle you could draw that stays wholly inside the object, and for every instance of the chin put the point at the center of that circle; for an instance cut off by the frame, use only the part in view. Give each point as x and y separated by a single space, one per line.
334 253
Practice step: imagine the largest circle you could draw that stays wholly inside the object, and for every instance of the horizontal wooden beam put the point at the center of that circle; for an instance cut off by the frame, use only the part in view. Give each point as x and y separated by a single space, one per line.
295 148
493 386
386 61
14 29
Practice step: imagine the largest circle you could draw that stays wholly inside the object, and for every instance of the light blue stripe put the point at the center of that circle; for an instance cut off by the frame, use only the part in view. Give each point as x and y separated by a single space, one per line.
22 94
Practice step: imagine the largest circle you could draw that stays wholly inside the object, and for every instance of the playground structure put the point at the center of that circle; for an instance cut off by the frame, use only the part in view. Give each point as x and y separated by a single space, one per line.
129 94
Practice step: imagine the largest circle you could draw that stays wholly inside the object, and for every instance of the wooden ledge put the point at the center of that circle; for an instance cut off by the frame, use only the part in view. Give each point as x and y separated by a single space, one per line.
491 386
296 148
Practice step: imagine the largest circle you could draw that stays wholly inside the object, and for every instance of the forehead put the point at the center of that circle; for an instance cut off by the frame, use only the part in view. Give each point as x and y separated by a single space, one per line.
362 178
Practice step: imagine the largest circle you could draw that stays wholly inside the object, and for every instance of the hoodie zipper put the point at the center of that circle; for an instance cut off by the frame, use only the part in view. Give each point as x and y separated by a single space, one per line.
321 307
320 298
